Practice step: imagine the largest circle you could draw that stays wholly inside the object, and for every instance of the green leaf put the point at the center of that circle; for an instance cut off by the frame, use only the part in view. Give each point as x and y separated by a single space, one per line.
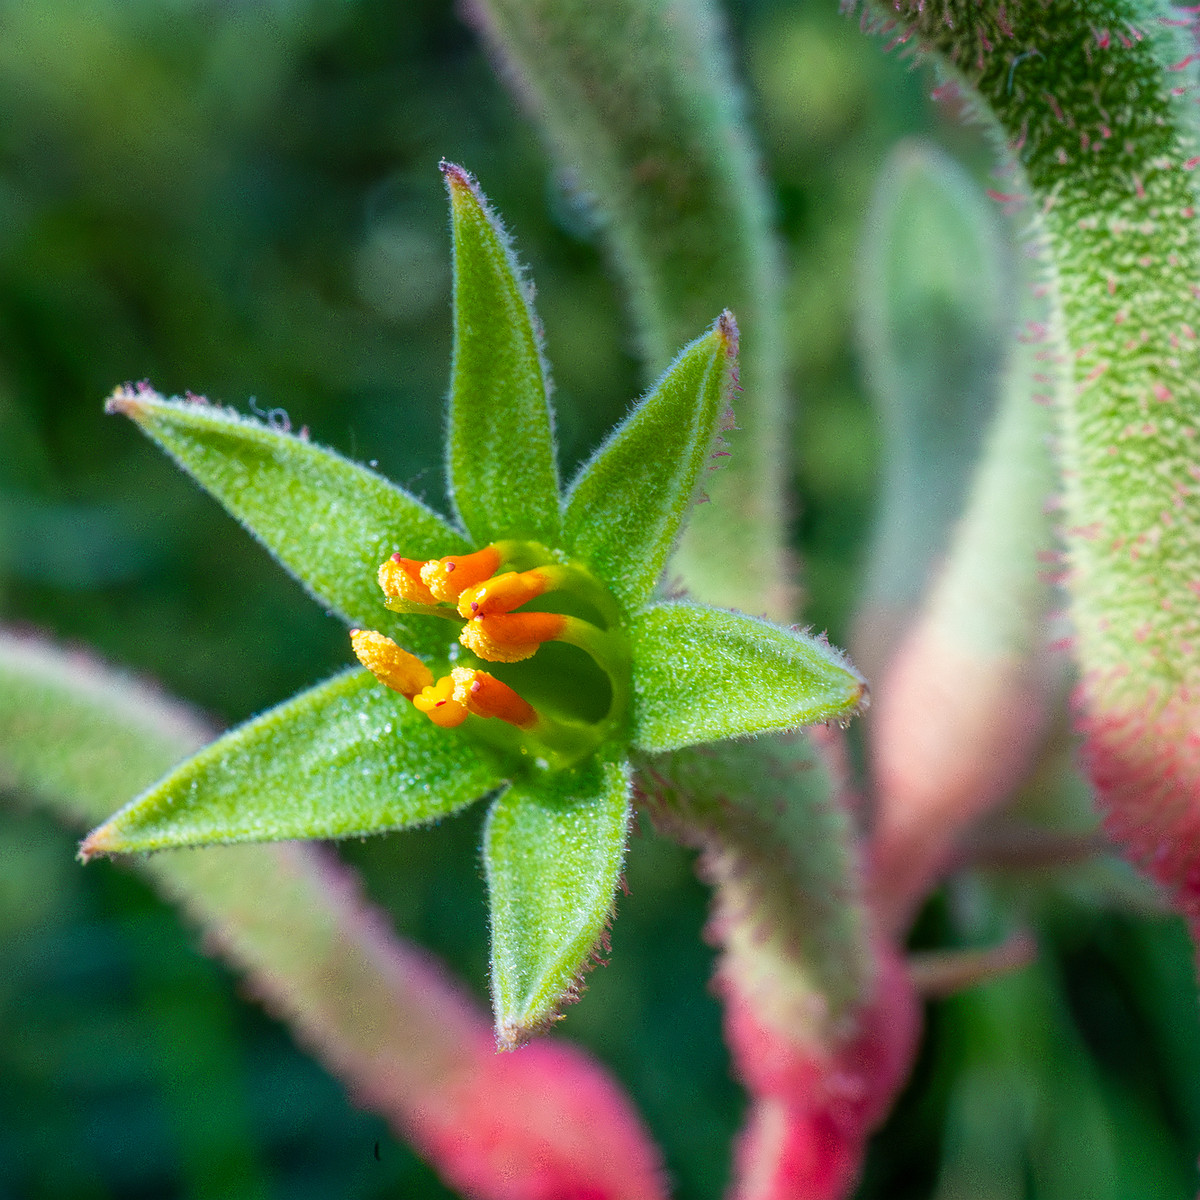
628 502
346 757
500 450
553 852
329 521
937 313
700 674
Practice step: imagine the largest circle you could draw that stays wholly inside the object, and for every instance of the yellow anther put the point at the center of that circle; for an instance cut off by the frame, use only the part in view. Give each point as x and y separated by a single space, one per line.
400 579
503 593
393 666
440 705
511 637
447 578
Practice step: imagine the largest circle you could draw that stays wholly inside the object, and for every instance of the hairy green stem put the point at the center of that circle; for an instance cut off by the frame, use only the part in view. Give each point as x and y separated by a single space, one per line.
961 698
1092 100
819 1013
637 102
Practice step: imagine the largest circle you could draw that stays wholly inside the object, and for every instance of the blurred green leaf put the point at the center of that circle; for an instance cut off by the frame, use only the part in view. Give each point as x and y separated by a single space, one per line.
500 451
700 674
626 506
553 851
937 313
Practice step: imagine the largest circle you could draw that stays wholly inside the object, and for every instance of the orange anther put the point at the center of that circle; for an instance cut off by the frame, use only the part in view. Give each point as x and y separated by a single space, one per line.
511 637
393 666
400 579
503 593
486 696
439 704
447 578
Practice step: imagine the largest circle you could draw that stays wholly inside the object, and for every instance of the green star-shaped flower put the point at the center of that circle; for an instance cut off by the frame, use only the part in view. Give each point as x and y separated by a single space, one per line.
518 651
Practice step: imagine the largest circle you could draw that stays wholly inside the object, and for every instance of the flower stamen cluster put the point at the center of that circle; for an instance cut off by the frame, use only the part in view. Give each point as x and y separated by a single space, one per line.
472 590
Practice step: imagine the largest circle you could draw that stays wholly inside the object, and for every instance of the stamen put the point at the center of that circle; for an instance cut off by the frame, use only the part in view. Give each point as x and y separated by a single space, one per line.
511 637
400 579
487 696
503 593
393 666
447 578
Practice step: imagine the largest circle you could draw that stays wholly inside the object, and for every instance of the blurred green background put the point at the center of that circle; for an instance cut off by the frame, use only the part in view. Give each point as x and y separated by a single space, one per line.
240 198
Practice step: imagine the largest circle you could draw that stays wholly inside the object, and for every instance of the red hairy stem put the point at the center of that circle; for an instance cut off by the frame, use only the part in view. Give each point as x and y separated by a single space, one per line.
815 1104
545 1123
821 1017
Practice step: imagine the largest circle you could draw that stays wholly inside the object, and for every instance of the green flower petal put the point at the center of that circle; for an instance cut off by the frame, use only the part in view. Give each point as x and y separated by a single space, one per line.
700 674
500 452
553 852
346 757
327 520
628 502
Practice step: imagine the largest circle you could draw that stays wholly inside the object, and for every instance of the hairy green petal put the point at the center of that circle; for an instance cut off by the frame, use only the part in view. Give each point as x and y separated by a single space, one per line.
346 757
628 502
329 521
500 452
700 674
553 851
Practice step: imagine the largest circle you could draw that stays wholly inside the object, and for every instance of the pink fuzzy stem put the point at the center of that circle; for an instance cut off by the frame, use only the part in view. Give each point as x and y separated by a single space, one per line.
815 1104
544 1123
820 1014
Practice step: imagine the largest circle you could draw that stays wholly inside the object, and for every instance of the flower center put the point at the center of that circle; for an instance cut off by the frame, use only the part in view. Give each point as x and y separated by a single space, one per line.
580 694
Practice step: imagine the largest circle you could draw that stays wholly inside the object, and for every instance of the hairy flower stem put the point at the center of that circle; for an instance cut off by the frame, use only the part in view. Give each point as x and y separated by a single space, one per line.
637 102
383 1015
1092 100
820 1016
960 698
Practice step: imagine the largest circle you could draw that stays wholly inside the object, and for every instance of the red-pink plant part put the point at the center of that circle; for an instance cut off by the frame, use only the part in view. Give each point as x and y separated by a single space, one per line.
953 729
1146 767
1101 121
543 1123
814 1105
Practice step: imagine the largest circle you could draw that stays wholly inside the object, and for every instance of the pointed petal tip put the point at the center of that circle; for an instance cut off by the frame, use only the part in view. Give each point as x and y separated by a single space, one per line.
512 1033
727 330
98 844
510 1037
456 177
127 402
